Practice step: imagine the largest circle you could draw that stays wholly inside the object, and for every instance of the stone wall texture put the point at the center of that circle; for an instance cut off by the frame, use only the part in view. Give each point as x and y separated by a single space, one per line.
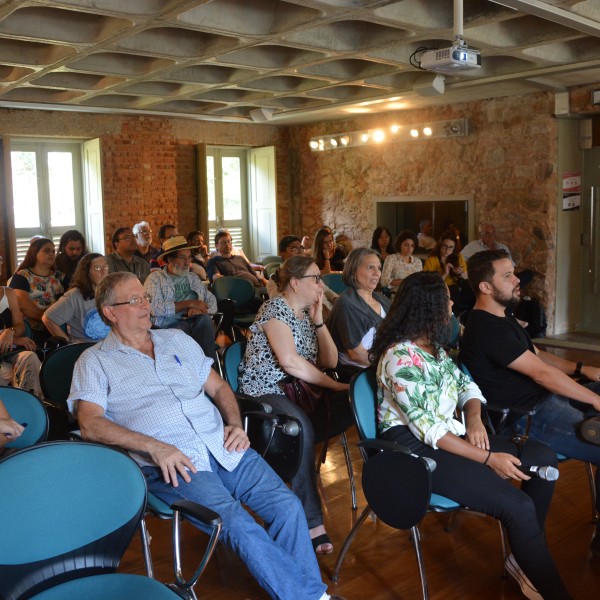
508 164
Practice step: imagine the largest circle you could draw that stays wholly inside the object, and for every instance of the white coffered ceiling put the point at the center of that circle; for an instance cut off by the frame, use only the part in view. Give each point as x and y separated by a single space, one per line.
299 60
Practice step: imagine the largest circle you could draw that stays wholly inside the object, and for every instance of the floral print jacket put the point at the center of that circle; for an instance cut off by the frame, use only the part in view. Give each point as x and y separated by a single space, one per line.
418 390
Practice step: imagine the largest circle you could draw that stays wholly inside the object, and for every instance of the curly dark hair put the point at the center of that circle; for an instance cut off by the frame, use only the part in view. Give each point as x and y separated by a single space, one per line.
419 310
375 239
81 278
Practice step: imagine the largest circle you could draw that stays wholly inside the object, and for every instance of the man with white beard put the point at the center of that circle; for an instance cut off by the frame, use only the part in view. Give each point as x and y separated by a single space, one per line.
179 299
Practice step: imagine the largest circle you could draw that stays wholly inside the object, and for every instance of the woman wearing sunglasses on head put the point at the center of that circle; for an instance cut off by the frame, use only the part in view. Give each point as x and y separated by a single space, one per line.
289 338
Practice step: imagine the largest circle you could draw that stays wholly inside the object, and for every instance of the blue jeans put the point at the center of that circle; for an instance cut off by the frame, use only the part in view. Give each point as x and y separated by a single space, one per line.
556 423
280 556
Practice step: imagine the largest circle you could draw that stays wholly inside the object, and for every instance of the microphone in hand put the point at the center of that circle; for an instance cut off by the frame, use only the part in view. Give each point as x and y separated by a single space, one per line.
545 473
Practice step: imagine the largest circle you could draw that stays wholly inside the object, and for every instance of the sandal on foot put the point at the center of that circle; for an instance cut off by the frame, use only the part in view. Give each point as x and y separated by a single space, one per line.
322 540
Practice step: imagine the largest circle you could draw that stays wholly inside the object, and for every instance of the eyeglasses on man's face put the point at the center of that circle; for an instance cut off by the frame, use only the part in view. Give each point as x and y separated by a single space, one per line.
127 238
135 301
145 231
317 277
294 249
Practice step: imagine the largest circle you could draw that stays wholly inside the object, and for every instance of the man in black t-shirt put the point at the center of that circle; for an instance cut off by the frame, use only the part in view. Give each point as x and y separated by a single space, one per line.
512 372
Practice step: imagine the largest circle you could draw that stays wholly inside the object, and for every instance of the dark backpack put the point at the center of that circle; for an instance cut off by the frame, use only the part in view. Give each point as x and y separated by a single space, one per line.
531 311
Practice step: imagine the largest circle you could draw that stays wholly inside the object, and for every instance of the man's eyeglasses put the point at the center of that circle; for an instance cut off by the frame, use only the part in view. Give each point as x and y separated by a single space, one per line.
145 231
317 277
295 249
135 301
99 268
127 238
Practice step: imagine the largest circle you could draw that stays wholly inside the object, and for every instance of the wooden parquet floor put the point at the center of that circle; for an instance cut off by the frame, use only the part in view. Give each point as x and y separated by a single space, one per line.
464 564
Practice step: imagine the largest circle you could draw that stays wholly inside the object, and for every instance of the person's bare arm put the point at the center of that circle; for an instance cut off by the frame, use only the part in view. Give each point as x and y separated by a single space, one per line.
502 463
281 341
15 312
97 428
53 328
28 308
359 355
235 438
552 378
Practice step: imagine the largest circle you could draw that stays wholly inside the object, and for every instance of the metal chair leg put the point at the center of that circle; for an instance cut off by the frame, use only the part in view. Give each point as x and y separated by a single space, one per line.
591 479
145 537
344 441
416 540
348 541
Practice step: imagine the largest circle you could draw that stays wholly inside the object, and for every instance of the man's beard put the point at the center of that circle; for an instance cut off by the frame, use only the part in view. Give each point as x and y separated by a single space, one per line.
508 302
180 271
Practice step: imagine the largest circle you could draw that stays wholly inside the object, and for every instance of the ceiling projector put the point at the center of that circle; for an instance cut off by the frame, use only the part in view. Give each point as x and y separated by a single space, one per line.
451 60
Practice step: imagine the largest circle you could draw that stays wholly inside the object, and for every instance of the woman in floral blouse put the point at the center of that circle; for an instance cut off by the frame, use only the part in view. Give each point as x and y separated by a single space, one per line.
419 390
38 285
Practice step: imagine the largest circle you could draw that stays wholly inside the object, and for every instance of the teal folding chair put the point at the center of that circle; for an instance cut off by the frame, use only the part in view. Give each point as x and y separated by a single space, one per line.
335 282
267 260
388 468
98 497
242 293
55 380
24 407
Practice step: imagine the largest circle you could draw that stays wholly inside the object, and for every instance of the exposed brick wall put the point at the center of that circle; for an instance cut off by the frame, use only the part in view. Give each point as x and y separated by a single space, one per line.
580 100
149 163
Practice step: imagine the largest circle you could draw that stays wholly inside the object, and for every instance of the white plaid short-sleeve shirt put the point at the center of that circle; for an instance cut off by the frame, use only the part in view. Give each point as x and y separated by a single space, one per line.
162 397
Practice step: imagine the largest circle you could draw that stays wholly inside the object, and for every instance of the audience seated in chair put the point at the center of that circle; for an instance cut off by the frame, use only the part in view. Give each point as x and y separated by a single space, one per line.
37 285
357 312
325 254
287 338
511 371
76 310
143 238
200 255
19 364
400 265
154 404
124 257
419 389
289 246
179 299
71 248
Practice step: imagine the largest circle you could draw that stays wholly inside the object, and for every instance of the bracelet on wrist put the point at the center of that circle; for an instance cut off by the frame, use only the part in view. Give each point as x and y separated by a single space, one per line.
319 325
578 368
485 462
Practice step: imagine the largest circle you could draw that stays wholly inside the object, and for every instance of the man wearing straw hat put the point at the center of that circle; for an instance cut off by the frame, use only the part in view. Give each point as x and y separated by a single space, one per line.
179 299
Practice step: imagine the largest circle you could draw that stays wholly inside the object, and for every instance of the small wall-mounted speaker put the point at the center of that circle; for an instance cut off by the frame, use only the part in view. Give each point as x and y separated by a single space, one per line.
259 115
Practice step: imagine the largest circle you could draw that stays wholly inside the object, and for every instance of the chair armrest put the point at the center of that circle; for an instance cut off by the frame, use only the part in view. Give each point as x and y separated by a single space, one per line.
381 445
207 516
198 511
